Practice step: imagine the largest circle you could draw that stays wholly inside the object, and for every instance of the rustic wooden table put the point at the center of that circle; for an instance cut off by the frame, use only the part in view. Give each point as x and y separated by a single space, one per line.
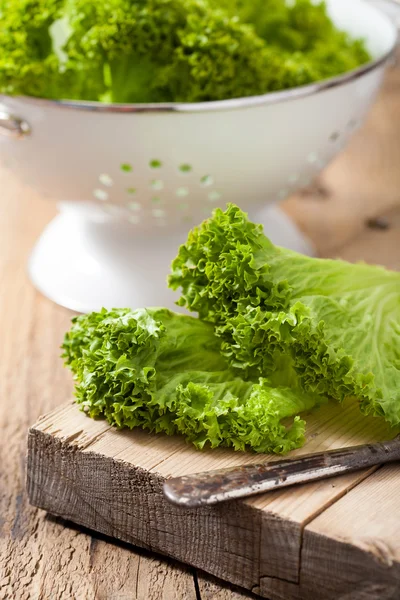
352 212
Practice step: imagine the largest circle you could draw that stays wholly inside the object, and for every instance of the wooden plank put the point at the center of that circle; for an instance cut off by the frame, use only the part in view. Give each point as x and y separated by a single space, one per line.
73 565
210 589
111 481
285 513
125 501
277 589
352 550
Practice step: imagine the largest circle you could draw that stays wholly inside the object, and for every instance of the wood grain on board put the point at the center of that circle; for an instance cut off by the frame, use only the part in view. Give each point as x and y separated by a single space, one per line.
111 481
364 531
43 558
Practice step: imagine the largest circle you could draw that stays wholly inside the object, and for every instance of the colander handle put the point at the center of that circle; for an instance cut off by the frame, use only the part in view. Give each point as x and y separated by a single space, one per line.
13 126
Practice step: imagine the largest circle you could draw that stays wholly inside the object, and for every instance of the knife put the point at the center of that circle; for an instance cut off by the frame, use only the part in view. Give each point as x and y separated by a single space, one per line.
212 487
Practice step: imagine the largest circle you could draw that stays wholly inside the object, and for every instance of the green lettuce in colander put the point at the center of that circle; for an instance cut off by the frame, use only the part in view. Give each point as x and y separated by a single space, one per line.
168 50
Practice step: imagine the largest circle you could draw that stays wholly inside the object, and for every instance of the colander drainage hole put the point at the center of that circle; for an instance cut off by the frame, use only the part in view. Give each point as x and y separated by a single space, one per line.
334 136
182 192
155 164
126 168
185 168
100 195
105 180
214 196
207 180
157 184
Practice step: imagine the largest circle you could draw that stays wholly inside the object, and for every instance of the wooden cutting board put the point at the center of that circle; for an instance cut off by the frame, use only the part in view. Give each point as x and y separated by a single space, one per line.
333 540
317 541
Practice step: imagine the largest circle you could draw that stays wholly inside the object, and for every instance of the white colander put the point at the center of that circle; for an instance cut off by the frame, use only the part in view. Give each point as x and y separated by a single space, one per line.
131 180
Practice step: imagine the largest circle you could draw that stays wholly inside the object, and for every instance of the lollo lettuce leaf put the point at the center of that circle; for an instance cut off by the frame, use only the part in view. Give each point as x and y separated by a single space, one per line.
328 326
168 50
278 334
164 372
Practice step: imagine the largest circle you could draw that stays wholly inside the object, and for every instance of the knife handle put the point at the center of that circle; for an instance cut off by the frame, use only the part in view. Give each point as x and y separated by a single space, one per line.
213 487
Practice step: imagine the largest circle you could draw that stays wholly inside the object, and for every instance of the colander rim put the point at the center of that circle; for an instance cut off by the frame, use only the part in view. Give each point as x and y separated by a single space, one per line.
219 105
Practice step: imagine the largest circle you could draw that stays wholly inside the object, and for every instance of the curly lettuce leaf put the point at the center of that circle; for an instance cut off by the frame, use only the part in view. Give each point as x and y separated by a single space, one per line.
303 32
33 57
334 326
26 56
167 50
176 51
164 372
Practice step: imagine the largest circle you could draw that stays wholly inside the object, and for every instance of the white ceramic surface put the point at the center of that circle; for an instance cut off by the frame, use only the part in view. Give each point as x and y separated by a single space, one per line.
131 183
101 264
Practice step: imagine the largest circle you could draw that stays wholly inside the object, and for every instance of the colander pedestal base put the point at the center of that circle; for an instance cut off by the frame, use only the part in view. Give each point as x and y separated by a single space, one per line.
85 266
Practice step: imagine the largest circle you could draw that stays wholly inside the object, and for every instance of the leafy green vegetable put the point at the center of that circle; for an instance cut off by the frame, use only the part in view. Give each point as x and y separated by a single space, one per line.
30 62
331 326
164 372
168 50
278 334
26 55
